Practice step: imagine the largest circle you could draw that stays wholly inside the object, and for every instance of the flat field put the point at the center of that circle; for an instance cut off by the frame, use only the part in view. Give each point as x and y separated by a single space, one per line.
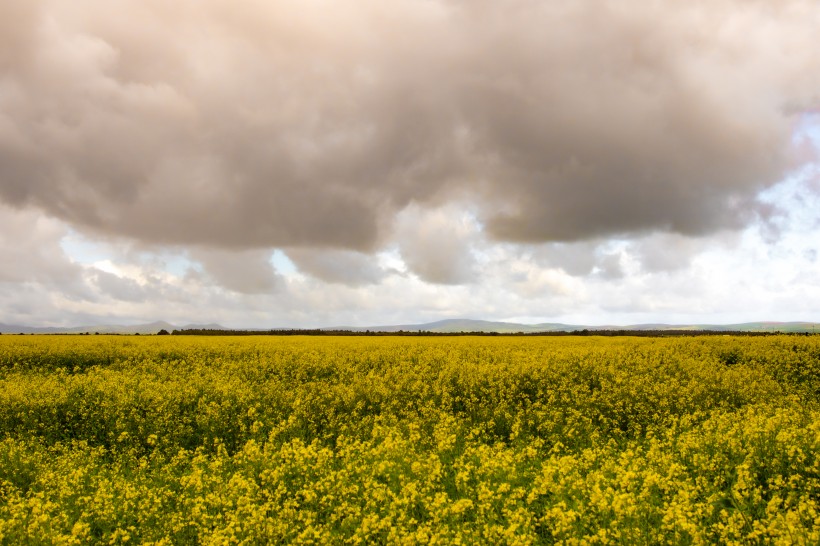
259 440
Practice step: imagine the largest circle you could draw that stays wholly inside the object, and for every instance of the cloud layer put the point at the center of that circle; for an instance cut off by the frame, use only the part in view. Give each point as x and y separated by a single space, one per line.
307 124
304 162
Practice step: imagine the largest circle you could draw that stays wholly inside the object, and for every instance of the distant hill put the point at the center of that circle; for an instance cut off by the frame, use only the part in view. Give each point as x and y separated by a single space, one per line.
142 329
441 326
470 325
465 325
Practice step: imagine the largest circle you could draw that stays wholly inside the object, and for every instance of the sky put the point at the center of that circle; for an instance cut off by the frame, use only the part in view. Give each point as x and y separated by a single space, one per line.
304 163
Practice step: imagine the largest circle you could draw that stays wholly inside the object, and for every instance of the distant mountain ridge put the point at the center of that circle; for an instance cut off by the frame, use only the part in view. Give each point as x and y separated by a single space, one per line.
472 325
148 328
440 326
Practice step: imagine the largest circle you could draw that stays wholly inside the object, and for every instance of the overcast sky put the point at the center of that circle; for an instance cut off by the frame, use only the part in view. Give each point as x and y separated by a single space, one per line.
318 163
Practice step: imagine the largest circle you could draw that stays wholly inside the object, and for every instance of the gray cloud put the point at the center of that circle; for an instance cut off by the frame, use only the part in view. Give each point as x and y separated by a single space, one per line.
246 272
578 259
338 266
610 267
436 245
119 288
31 251
303 125
663 252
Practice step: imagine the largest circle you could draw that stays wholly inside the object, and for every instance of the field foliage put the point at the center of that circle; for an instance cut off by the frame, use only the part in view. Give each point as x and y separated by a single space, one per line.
260 440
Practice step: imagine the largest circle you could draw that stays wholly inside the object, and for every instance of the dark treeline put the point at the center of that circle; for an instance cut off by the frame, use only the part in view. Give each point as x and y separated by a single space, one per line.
423 333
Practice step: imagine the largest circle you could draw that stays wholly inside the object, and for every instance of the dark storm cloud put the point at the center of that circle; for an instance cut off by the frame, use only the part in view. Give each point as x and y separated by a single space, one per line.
312 124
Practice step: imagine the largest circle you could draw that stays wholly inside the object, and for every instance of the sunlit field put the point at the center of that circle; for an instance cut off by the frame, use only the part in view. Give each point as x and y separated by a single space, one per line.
257 440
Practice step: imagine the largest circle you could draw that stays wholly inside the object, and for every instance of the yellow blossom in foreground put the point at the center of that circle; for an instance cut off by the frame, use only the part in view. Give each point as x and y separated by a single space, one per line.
259 440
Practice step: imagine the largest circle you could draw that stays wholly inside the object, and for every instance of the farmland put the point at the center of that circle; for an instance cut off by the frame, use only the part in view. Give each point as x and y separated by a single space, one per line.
255 440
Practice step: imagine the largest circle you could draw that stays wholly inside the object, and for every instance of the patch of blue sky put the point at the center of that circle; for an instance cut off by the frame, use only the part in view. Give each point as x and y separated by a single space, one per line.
283 264
82 250
177 264
85 251
808 126
797 198
390 259
797 194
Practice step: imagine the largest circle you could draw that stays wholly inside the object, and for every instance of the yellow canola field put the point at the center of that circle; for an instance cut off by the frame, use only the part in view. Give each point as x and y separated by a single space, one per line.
409 440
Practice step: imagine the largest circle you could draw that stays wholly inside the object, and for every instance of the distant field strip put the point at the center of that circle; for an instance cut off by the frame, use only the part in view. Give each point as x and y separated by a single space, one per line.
477 440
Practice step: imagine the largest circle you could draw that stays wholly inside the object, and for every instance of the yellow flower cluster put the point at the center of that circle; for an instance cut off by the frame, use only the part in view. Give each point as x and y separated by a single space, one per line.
259 440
